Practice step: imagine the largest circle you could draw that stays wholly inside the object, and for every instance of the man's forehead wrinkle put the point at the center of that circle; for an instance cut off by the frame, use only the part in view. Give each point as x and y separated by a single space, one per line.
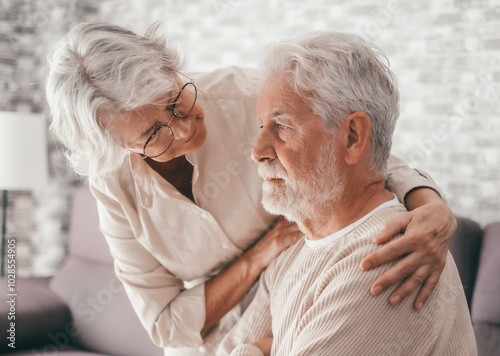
281 101
286 104
277 113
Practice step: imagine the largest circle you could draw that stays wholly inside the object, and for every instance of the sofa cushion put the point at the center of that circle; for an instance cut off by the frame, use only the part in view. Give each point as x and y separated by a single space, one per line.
104 320
486 301
40 313
466 248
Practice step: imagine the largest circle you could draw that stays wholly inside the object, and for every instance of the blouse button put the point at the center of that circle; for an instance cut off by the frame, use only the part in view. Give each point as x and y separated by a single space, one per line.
204 215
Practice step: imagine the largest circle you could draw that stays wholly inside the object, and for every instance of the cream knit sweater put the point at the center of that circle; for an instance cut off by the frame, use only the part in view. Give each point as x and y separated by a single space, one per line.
315 300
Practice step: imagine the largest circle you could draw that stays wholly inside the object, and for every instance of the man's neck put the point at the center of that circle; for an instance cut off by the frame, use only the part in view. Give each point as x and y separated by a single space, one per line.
352 206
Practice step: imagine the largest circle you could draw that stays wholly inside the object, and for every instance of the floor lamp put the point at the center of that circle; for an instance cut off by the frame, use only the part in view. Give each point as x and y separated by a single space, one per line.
23 159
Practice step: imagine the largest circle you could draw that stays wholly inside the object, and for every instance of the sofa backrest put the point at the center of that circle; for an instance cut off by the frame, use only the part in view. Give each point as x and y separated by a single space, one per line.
102 316
486 301
465 248
85 238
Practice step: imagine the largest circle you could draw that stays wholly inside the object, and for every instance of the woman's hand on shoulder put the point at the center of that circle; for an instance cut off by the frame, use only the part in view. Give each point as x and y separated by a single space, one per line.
427 231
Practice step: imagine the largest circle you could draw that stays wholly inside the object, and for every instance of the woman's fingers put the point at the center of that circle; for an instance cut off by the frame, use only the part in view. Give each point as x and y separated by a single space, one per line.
282 235
422 248
289 235
397 273
410 284
388 253
426 290
392 228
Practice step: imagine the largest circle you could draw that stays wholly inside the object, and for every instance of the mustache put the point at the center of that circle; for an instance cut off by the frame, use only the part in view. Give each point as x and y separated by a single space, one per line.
271 170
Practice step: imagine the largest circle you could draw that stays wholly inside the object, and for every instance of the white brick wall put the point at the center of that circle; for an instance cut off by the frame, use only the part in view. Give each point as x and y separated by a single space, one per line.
446 55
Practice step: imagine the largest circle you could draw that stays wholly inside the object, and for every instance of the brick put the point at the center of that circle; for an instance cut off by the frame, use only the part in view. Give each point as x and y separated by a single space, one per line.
486 174
8 61
448 18
438 108
493 14
496 76
492 43
369 10
475 15
416 6
441 45
470 3
485 141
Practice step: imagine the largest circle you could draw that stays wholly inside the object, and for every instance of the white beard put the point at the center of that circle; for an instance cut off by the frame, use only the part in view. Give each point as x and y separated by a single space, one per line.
314 193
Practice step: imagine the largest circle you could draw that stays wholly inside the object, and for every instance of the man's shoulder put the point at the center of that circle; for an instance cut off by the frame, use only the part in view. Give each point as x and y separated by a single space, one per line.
361 235
347 251
227 83
285 259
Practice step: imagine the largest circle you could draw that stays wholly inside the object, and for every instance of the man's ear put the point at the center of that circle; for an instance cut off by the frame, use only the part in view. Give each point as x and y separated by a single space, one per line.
358 128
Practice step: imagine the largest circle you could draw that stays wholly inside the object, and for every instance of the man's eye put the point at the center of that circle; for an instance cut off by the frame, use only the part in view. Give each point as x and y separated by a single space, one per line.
282 127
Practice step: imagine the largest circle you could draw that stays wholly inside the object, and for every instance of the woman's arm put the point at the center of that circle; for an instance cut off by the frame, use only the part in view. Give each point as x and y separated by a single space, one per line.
226 289
254 324
427 231
172 315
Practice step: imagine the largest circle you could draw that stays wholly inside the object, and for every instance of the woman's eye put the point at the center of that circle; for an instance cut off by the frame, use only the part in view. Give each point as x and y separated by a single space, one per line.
154 136
171 106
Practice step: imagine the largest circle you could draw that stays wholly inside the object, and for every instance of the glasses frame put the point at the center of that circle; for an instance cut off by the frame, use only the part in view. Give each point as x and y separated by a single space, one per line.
174 115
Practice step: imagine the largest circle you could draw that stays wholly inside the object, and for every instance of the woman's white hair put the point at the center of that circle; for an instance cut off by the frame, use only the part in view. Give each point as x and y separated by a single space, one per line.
339 74
98 70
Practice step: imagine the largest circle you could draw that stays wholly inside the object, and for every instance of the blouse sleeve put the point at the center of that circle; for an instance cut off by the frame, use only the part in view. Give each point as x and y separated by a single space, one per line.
172 315
402 179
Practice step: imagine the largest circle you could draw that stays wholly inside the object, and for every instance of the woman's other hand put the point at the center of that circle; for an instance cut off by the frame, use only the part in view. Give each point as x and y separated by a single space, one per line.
264 345
227 288
280 236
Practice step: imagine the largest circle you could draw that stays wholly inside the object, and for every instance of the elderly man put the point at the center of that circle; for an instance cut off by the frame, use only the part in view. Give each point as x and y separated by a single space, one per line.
327 113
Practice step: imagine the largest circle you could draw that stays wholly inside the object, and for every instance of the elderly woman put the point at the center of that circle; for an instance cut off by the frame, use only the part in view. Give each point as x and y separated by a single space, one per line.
179 198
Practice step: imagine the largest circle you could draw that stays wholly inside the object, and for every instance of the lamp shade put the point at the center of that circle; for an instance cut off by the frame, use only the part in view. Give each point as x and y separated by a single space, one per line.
23 151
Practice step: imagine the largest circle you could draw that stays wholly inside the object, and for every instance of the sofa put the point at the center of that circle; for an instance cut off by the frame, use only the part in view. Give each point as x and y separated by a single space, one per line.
477 254
83 309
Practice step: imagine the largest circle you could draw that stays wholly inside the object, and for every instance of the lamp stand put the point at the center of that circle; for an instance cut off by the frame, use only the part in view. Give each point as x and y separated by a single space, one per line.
4 230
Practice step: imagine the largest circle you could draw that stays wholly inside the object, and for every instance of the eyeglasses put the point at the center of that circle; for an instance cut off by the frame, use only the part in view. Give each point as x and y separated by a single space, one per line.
181 107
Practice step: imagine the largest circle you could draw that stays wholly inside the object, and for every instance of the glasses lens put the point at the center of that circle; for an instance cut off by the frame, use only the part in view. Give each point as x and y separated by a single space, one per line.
159 142
186 101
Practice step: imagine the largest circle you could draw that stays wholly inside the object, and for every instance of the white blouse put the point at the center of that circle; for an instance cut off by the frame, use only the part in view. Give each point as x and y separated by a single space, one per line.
160 239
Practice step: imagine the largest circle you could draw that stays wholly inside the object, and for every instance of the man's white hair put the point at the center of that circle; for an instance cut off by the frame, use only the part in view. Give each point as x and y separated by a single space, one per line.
339 74
98 70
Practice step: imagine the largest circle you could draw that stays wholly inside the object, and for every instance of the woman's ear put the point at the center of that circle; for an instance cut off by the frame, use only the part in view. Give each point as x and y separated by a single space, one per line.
358 128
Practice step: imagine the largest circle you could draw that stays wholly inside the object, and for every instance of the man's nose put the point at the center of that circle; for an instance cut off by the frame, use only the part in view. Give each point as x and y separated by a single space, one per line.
263 149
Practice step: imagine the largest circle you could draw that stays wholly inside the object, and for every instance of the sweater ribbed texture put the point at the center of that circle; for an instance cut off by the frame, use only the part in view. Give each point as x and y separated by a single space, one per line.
316 301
